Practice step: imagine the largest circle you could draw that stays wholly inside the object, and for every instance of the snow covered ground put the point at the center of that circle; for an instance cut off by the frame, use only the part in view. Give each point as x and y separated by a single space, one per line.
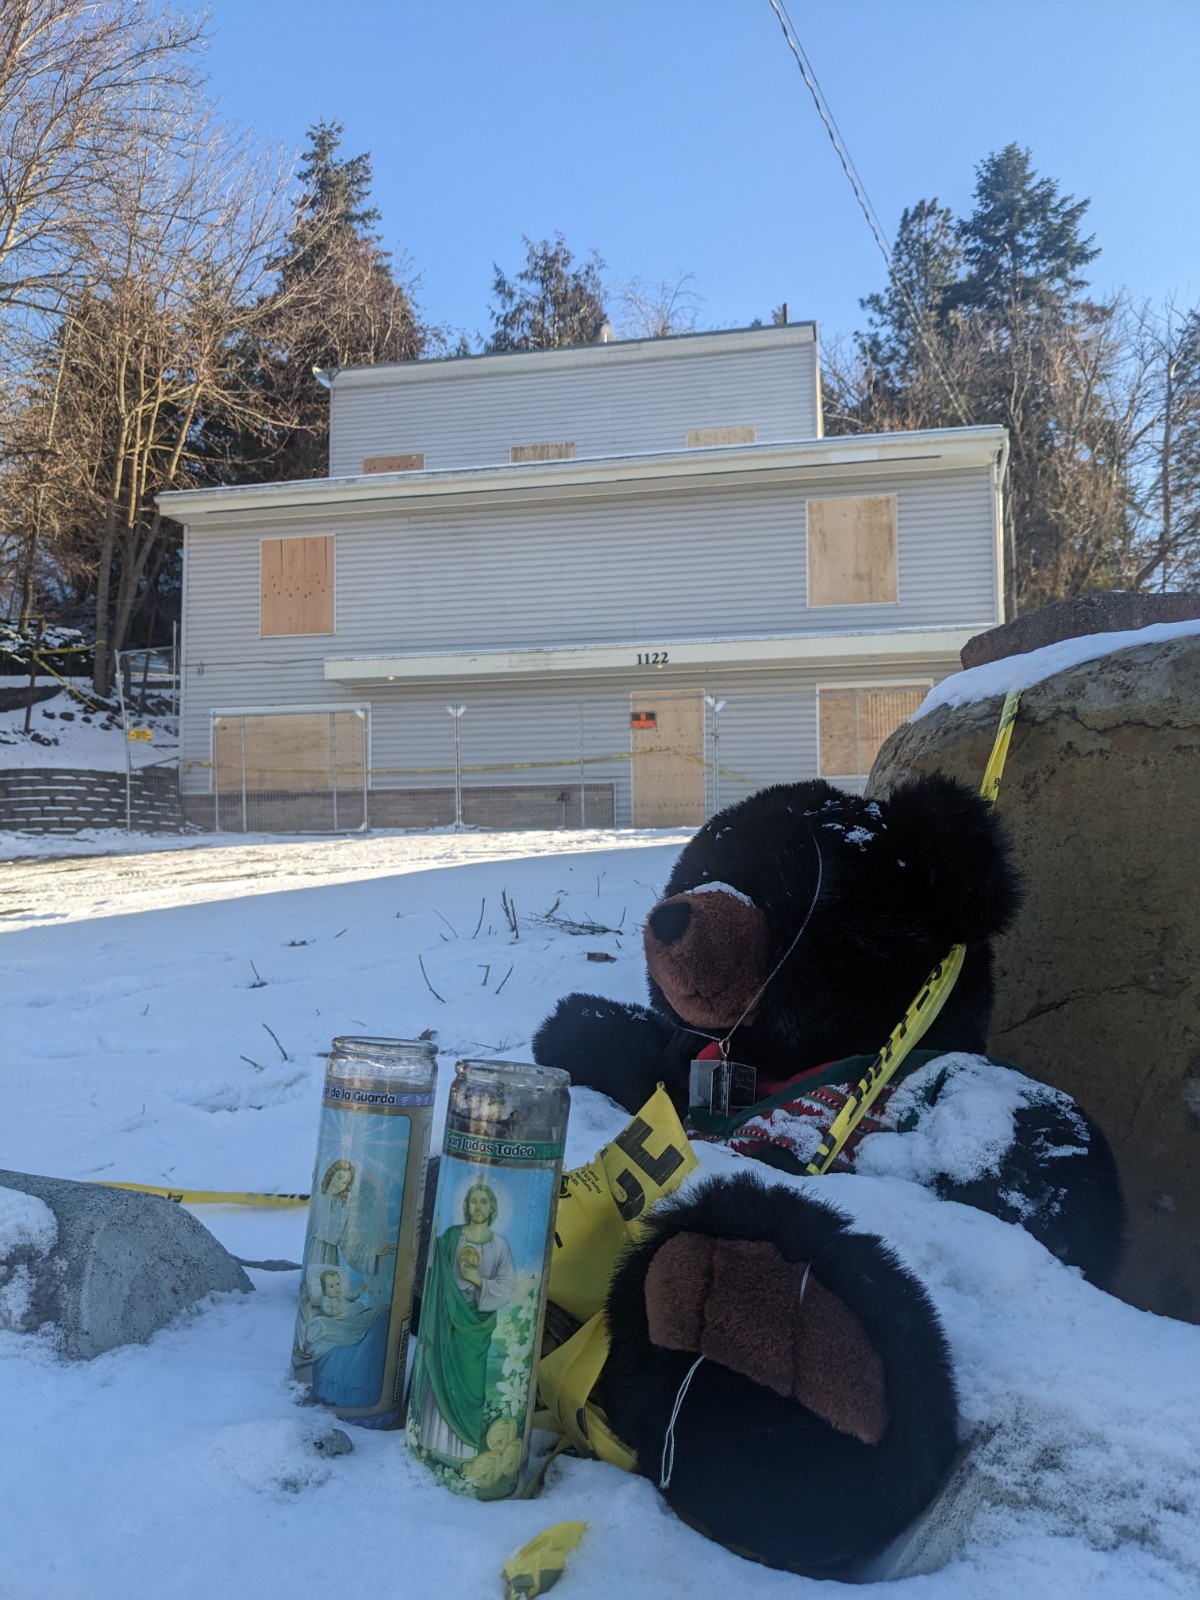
165 1017
167 1005
72 730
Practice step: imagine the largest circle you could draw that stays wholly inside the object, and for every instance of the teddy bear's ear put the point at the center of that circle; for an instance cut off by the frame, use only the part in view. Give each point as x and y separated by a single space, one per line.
957 858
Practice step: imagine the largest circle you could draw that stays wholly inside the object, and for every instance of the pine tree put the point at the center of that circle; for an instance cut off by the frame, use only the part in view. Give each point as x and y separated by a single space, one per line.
908 318
550 302
1020 245
331 211
337 303
986 320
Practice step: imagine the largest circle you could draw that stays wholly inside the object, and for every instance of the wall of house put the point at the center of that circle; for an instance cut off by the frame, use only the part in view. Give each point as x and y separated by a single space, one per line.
646 568
562 751
602 400
681 564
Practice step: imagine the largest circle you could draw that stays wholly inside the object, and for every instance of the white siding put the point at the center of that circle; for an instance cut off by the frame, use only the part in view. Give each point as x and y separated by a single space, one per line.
557 735
470 413
697 564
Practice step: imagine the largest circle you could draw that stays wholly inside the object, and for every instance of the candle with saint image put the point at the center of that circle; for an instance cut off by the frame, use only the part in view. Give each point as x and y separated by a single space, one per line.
470 1408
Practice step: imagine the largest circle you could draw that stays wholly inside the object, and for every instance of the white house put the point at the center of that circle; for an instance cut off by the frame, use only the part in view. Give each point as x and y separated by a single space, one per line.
648 579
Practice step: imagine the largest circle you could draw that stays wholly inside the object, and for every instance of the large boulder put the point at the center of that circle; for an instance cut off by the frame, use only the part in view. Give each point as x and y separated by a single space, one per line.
101 1267
1098 984
1114 611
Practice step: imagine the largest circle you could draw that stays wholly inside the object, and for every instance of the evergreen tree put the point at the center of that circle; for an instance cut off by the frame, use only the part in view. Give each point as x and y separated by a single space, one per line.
986 320
1020 245
908 318
331 210
337 303
550 302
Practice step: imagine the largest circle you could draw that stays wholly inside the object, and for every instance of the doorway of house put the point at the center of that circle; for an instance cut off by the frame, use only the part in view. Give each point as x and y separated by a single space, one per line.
667 748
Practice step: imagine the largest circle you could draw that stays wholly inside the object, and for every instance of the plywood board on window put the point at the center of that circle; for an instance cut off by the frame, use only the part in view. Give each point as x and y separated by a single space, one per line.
551 450
413 462
852 550
297 750
668 759
297 585
296 580
707 438
853 724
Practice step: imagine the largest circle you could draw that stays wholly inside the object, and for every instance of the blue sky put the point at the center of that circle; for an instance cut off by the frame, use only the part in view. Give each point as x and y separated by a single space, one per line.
678 137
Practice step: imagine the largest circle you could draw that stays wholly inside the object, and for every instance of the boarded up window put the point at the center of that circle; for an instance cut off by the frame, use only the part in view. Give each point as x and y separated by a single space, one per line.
296 586
410 463
706 438
852 550
296 770
855 722
552 450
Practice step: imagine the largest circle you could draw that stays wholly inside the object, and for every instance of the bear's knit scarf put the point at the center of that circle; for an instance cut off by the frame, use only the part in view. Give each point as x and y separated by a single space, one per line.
798 1115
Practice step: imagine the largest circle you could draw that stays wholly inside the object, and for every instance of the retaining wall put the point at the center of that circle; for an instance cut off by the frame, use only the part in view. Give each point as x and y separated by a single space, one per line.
63 800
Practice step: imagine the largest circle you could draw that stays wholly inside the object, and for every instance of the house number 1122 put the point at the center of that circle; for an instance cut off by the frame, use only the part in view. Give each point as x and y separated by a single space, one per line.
652 658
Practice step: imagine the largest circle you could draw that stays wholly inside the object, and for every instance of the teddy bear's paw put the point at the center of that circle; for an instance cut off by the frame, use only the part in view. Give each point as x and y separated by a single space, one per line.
621 1050
739 1303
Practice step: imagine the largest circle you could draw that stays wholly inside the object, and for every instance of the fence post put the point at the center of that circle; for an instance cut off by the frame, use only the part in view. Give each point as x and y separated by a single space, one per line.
120 677
242 727
34 656
716 707
456 712
582 794
333 766
366 740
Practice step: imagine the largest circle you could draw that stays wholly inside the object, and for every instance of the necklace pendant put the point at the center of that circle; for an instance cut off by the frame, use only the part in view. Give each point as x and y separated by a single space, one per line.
720 1086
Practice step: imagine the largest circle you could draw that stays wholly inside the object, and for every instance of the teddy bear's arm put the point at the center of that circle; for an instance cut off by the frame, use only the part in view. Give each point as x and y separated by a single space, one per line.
622 1050
1058 1180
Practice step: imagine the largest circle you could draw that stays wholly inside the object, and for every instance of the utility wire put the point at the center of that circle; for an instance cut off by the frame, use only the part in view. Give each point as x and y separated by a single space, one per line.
825 113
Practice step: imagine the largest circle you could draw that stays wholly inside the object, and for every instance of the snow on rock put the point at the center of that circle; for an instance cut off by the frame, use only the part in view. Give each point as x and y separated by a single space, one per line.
28 1232
1033 666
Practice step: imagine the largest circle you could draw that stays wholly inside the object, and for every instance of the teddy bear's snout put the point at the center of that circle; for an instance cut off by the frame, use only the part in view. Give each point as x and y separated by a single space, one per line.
707 952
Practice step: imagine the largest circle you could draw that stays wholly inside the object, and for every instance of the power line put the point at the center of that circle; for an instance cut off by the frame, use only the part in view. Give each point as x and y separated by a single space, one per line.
824 111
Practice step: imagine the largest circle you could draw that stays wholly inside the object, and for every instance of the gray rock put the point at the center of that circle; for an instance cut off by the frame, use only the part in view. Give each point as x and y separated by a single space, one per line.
1098 983
1113 612
333 1442
123 1265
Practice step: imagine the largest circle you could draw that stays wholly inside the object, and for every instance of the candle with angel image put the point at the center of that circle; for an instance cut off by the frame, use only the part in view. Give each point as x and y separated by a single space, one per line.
359 1251
469 1405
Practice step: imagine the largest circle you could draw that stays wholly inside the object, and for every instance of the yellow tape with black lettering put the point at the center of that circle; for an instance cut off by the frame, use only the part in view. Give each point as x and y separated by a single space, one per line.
212 1197
931 997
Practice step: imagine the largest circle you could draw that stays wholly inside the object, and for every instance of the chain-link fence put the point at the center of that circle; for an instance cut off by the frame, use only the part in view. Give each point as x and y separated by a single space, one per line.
641 759
147 685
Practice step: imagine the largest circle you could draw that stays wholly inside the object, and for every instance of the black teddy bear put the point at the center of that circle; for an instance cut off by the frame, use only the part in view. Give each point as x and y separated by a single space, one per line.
783 1379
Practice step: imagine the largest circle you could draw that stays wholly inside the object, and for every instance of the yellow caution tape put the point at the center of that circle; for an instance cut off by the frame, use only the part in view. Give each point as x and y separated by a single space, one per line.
212 1197
601 1208
905 1036
931 997
990 787
538 1565
45 666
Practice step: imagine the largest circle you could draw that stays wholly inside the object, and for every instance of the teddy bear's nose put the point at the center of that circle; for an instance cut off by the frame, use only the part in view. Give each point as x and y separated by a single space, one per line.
669 922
